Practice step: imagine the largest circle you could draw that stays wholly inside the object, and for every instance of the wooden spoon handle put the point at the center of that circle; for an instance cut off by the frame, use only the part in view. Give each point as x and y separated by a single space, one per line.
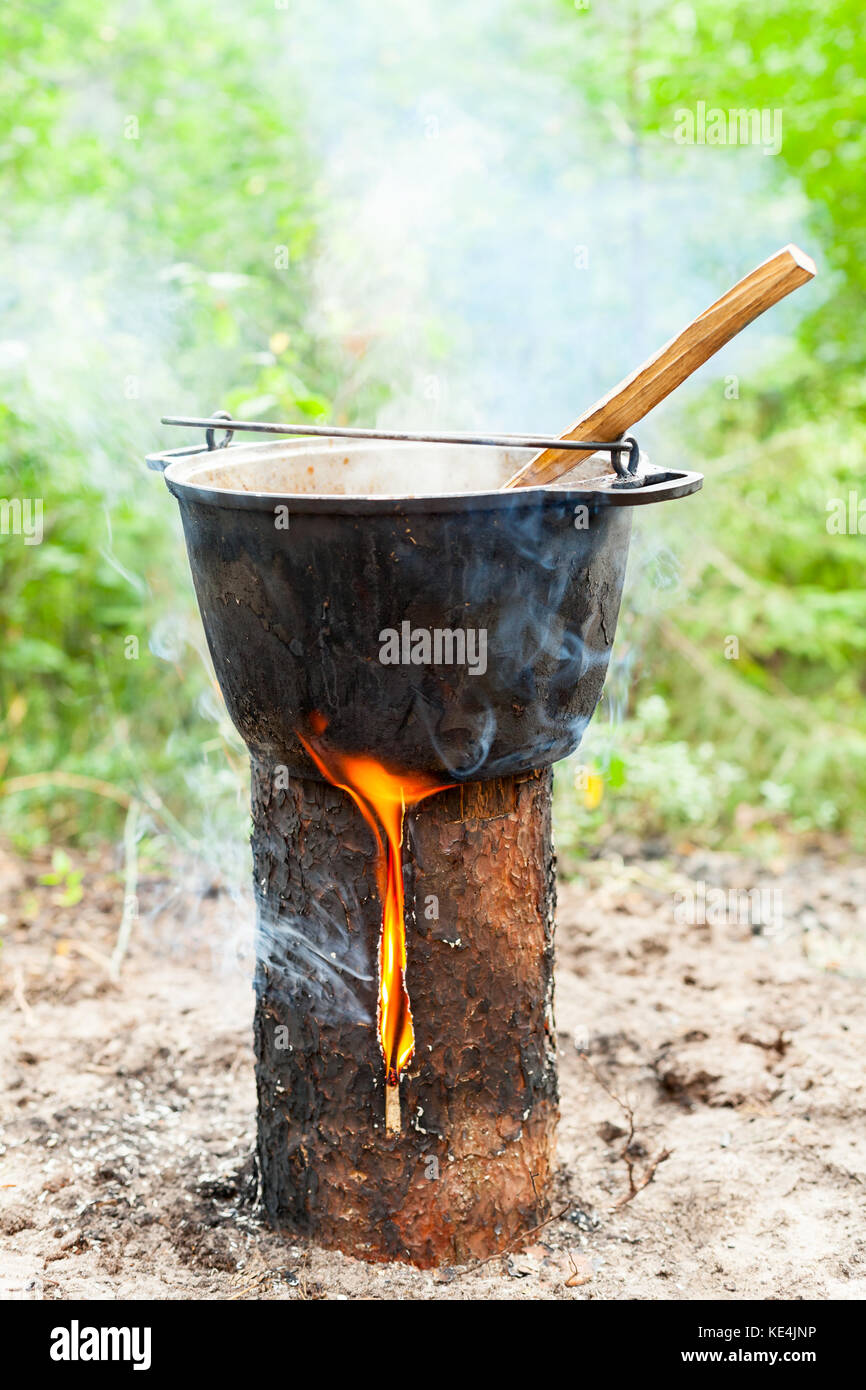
634 397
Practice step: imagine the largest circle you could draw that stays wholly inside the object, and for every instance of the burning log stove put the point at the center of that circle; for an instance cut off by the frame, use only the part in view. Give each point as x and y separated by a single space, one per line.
405 663
404 671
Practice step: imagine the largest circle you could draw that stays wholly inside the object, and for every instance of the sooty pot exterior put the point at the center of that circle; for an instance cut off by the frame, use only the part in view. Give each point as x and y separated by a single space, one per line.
354 608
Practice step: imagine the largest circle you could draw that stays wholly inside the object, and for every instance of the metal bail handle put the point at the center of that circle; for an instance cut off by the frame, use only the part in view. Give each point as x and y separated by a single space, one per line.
625 444
227 437
630 445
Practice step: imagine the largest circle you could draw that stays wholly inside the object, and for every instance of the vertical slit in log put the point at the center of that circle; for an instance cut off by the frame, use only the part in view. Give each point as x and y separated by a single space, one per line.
470 1167
392 1107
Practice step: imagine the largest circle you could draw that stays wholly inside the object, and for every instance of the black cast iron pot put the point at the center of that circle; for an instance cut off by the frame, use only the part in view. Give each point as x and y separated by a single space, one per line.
466 632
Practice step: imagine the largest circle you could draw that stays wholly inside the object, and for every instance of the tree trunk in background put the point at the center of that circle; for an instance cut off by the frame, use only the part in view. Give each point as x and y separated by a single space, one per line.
472 1166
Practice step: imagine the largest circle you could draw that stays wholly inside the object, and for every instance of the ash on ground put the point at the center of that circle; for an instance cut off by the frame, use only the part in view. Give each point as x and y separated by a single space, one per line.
732 1045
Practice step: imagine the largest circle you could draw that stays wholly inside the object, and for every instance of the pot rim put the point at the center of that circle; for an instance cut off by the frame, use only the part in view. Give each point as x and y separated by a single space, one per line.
174 464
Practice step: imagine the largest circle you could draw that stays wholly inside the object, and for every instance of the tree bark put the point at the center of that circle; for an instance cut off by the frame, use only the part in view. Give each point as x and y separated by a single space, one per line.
471 1166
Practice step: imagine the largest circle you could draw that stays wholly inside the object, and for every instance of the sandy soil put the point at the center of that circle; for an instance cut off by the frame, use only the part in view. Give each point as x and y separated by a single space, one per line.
129 1106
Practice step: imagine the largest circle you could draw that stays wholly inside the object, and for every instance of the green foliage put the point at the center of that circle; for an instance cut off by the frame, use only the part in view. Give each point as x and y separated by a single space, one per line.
159 227
807 61
776 732
157 253
65 877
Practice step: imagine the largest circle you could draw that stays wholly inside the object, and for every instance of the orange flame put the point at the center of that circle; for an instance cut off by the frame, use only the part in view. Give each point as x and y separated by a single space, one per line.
382 797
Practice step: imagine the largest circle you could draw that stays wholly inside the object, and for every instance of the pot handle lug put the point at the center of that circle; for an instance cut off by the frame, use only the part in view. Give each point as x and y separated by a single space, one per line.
227 437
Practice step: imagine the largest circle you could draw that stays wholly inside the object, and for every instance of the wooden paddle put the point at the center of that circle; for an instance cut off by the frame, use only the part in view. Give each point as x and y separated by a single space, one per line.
635 397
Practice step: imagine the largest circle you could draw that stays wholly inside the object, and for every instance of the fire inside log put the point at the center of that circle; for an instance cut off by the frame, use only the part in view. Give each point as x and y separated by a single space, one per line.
470 1167
382 797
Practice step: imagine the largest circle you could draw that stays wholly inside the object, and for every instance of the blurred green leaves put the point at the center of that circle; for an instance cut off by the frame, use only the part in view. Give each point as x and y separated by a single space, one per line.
157 254
159 222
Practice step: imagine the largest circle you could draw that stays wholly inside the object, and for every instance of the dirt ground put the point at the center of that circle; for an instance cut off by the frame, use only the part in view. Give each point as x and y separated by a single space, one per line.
738 1047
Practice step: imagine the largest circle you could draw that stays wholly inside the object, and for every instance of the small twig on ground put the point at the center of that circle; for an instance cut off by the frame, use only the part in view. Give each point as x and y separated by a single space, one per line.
20 997
306 1290
515 1244
635 1184
578 1277
84 948
645 1180
130 888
